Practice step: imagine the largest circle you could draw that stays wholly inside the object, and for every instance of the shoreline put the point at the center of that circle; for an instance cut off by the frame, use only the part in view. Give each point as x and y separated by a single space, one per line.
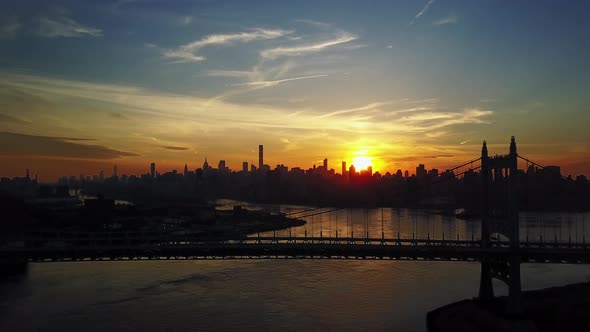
561 308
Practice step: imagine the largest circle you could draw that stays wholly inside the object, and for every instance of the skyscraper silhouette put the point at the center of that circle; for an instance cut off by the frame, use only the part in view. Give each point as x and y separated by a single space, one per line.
153 170
260 156
420 171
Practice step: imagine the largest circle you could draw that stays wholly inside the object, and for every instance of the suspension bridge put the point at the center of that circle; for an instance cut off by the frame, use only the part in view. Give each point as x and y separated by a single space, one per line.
498 248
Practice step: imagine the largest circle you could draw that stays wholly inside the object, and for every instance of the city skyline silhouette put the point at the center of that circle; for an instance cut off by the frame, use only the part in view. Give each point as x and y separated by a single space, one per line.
344 167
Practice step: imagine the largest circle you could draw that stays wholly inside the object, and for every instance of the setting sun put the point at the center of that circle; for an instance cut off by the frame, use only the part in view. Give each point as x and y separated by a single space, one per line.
361 162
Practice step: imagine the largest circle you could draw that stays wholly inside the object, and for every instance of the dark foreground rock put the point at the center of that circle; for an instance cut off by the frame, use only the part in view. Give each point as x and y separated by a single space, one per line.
564 308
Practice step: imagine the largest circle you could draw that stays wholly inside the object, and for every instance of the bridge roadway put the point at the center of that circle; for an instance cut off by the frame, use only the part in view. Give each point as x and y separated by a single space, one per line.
289 248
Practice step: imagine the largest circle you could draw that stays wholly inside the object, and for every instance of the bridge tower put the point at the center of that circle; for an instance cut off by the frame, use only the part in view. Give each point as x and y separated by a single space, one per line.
499 220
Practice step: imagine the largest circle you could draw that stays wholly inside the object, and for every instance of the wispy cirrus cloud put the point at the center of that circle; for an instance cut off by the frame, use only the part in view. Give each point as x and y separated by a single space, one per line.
266 84
63 26
451 19
422 12
274 53
175 148
371 106
189 52
277 65
385 108
430 120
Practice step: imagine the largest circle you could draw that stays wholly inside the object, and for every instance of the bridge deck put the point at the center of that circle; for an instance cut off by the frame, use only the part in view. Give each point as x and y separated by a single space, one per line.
284 247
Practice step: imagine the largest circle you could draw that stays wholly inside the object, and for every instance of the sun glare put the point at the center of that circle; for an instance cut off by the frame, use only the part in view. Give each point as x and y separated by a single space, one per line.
361 162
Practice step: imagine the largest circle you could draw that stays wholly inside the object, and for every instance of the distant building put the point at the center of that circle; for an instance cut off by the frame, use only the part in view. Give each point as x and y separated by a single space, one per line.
115 170
297 171
206 168
245 167
326 164
153 170
433 172
264 169
282 169
530 171
185 173
550 172
420 171
101 175
260 156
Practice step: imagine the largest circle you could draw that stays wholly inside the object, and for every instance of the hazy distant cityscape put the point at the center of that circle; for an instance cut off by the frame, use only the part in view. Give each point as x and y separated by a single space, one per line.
539 188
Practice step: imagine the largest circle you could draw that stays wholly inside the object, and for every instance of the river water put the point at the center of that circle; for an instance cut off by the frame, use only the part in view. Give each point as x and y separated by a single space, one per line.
261 295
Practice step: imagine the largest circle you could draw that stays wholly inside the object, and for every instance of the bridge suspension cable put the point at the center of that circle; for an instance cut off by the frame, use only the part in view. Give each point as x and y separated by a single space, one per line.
465 164
456 175
539 165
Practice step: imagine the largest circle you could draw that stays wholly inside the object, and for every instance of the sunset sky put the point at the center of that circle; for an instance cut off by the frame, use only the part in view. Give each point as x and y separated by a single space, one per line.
88 84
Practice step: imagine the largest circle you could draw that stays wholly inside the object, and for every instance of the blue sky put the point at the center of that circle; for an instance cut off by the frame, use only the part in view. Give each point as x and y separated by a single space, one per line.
395 80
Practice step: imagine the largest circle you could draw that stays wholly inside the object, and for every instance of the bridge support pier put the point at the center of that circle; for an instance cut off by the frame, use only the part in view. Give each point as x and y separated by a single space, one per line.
486 290
514 307
499 176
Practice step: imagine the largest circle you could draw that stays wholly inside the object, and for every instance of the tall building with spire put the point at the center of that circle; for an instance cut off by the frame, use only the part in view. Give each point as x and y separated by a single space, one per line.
185 170
153 170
